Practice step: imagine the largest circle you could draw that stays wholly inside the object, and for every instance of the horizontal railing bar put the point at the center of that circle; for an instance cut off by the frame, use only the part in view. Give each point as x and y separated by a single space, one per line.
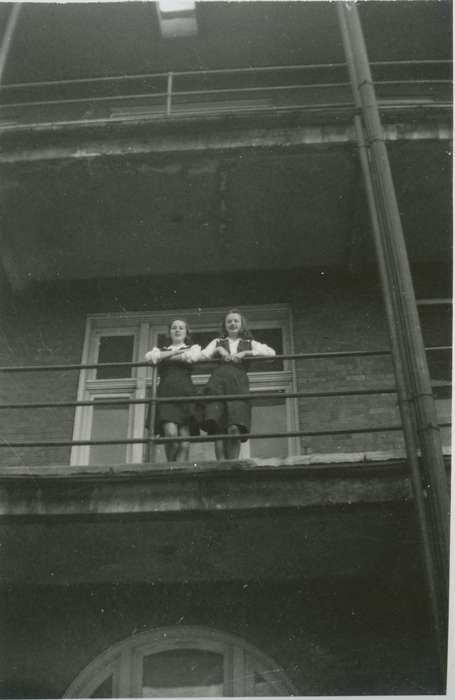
214 91
178 114
202 398
208 438
442 301
259 88
335 106
77 100
193 438
412 62
176 74
288 356
218 71
175 94
414 81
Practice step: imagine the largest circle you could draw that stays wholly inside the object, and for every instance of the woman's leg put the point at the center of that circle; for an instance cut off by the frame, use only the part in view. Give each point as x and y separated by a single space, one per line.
232 447
183 448
171 448
220 450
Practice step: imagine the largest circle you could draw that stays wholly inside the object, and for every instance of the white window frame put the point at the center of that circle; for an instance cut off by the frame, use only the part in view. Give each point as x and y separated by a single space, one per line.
146 327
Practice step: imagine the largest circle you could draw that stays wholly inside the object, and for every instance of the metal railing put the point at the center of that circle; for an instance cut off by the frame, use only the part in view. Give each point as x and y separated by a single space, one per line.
216 92
154 400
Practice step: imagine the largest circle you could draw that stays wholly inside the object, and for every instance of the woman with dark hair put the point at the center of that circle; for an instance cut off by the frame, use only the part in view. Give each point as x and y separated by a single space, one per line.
175 366
230 377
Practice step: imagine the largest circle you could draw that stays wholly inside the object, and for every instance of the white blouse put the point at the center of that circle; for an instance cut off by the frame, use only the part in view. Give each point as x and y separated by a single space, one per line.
190 354
258 349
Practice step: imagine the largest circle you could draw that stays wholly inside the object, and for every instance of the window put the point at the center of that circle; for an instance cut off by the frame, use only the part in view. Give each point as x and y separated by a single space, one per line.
127 337
436 322
181 662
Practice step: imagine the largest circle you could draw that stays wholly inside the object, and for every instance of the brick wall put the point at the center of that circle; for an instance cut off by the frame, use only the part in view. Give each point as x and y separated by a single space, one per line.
331 311
330 637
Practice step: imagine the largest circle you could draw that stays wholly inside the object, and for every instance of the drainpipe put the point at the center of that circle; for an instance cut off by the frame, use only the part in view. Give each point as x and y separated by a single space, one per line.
8 37
417 406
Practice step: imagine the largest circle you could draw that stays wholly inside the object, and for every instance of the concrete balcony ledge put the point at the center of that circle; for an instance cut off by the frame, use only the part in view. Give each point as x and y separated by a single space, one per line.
310 481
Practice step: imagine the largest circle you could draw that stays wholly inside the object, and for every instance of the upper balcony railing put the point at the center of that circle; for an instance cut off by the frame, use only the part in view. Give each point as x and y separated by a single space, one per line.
173 95
150 440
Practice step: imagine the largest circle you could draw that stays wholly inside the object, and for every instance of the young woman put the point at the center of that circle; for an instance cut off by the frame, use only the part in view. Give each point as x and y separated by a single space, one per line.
175 366
230 377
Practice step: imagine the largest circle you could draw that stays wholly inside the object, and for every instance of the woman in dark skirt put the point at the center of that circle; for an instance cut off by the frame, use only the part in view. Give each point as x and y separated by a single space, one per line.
175 366
230 377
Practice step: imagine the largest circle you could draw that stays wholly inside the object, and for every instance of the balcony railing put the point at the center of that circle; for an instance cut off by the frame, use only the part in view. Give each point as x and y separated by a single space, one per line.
154 400
173 95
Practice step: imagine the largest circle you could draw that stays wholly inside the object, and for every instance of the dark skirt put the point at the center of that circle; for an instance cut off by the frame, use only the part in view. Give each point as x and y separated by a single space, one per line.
228 378
175 380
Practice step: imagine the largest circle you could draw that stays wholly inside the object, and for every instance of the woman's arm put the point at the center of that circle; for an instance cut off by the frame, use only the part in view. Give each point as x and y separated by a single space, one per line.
261 349
210 351
191 354
257 350
156 355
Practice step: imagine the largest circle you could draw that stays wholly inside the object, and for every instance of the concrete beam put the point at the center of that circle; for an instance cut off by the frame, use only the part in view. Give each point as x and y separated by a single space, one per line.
173 488
41 143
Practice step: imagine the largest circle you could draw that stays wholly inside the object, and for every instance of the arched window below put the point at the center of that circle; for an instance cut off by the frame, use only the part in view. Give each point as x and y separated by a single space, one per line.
181 662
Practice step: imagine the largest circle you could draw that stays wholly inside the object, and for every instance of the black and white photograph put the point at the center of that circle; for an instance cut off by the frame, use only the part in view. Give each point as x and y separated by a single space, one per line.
225 348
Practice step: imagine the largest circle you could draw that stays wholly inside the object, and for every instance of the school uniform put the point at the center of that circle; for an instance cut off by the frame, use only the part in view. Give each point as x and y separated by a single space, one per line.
230 378
175 380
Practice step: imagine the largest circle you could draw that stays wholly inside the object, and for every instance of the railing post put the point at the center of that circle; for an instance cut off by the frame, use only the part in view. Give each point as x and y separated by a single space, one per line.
151 419
170 83
413 381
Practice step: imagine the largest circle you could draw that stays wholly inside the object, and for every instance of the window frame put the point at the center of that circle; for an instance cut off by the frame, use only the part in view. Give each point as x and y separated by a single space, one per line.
443 405
146 328
124 662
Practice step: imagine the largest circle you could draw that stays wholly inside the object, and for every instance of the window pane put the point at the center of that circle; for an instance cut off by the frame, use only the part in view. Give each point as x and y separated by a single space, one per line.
109 423
115 348
182 673
269 415
436 323
104 690
274 338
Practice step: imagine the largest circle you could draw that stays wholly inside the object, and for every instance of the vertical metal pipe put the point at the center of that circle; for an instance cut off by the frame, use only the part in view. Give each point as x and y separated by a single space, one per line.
170 83
423 400
411 372
406 417
8 37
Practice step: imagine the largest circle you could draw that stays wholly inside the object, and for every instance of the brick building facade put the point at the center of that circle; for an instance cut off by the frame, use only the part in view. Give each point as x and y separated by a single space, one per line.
297 569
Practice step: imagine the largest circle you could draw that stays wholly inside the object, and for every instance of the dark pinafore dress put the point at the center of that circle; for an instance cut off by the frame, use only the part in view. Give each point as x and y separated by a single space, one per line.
175 380
228 378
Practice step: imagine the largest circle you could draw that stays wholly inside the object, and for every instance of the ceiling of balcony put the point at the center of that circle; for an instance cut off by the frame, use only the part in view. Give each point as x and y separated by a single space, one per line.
73 40
113 217
79 218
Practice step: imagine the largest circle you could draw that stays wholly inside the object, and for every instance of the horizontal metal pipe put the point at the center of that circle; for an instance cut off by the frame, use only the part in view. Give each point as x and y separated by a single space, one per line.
334 106
144 76
289 356
218 71
203 398
198 438
214 91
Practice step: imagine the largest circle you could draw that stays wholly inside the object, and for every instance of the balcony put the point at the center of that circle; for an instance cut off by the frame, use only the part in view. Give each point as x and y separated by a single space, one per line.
284 453
424 86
